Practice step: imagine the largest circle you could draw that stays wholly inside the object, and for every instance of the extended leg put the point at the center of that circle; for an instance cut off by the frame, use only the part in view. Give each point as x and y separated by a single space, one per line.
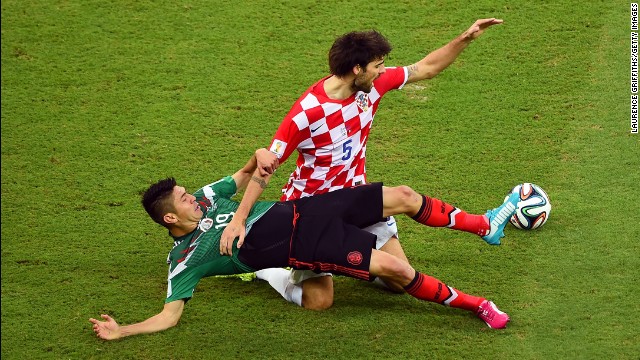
387 241
424 287
394 248
437 213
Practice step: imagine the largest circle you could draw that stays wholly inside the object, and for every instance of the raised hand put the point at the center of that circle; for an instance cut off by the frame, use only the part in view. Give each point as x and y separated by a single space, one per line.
480 26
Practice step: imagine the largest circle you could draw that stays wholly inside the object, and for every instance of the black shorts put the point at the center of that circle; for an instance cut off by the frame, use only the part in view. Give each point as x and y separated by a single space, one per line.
328 235
267 244
320 233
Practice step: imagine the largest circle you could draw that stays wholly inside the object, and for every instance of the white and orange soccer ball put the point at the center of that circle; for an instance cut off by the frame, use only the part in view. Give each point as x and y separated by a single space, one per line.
533 208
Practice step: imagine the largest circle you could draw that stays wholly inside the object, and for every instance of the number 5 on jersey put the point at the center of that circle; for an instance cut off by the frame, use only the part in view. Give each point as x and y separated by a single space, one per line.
346 149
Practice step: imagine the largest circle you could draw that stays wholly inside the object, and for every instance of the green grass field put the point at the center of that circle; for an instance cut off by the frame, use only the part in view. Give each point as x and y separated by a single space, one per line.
100 99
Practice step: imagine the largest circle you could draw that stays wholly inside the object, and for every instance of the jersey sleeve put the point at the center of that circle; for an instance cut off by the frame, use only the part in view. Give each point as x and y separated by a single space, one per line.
393 78
225 188
294 128
184 278
182 285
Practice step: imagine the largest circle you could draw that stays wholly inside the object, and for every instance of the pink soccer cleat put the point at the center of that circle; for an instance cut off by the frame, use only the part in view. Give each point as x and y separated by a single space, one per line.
495 319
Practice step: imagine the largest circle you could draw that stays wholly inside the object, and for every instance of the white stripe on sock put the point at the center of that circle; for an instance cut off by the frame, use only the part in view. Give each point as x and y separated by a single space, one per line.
454 295
452 217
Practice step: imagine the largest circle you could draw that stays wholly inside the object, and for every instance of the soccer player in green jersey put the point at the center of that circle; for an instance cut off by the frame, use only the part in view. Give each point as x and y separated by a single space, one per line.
321 233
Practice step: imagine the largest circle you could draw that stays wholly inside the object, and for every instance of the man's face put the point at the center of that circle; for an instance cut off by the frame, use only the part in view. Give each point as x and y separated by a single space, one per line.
364 79
186 206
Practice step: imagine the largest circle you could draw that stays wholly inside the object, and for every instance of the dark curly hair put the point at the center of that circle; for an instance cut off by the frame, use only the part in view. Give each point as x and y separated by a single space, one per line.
356 48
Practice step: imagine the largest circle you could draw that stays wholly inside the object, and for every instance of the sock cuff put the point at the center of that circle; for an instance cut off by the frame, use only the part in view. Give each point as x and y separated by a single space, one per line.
294 294
415 283
422 207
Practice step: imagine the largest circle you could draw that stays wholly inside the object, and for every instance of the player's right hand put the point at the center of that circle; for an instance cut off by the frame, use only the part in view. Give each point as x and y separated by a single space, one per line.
235 229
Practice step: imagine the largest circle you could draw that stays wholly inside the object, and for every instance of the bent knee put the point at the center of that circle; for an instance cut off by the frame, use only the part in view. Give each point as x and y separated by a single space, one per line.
407 196
407 193
396 273
317 304
400 270
317 293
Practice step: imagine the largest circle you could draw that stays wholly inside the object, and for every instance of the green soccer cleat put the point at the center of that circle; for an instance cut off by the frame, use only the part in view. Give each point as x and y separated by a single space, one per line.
499 217
247 276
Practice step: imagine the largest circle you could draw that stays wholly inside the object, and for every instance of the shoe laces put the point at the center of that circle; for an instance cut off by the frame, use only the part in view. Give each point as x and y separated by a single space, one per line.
504 213
487 310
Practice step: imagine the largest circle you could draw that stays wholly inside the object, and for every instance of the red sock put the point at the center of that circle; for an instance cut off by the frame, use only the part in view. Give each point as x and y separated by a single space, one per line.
427 288
437 213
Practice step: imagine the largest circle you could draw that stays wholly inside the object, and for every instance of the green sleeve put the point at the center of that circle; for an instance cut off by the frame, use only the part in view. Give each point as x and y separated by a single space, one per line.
182 285
224 188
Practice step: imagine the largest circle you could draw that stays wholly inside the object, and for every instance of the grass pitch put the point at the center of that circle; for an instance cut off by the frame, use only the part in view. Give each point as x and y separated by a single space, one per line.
99 99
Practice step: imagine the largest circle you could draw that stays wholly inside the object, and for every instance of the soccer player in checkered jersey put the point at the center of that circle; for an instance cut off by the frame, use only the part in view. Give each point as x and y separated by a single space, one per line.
329 126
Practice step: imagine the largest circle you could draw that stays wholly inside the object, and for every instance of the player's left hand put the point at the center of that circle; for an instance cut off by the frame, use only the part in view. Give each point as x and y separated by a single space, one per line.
107 330
480 26
235 229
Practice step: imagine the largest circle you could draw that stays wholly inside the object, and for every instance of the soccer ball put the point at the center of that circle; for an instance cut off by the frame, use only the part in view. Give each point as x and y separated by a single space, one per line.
533 208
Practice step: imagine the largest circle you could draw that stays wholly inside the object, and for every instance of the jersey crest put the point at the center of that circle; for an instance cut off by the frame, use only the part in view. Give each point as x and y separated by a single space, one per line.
362 100
205 224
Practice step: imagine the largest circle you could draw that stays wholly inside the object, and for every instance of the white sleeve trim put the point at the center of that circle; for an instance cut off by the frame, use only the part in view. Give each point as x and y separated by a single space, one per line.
406 77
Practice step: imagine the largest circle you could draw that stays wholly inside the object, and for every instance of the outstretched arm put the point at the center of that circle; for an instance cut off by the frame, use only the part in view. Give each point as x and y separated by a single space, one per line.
440 59
168 317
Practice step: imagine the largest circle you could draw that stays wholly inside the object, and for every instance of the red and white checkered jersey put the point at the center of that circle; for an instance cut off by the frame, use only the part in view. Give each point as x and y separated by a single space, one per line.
330 136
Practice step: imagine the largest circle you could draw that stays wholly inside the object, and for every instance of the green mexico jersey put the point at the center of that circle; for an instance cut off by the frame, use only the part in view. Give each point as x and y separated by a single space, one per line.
197 255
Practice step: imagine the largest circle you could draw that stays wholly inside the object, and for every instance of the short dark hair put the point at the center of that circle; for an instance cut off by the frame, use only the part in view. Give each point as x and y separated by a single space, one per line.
157 200
356 48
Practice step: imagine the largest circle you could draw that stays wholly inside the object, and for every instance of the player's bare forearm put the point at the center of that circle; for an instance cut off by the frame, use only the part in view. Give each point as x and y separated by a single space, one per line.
255 188
255 184
260 181
168 317
438 60
243 176
269 165
153 324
